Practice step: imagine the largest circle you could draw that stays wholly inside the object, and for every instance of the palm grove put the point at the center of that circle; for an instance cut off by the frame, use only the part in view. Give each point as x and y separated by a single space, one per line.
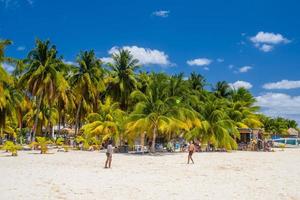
119 101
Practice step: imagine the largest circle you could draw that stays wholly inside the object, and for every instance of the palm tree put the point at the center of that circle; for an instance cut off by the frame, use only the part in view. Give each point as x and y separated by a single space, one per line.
216 127
9 97
154 113
177 86
3 45
42 77
276 125
105 123
222 89
197 82
65 102
88 82
42 143
242 109
123 76
13 148
65 95
5 78
5 97
292 124
15 100
143 80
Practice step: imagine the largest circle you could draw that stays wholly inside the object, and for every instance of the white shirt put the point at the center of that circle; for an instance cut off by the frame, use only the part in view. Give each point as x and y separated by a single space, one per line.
109 149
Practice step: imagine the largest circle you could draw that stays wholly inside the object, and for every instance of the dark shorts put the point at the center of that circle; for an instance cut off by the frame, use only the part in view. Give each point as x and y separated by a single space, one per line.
108 155
191 153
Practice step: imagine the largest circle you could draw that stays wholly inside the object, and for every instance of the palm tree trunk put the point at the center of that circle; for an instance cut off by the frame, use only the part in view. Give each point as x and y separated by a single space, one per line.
63 120
20 123
1 134
59 121
77 118
153 139
143 139
52 131
37 117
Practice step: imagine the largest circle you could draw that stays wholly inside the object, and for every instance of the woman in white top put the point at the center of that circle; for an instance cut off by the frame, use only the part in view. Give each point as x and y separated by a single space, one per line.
109 152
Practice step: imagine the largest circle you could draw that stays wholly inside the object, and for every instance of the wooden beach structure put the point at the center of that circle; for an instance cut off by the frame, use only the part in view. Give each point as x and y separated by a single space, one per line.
250 138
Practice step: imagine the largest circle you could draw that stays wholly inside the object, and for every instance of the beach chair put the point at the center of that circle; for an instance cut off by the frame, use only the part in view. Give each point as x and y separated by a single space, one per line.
139 149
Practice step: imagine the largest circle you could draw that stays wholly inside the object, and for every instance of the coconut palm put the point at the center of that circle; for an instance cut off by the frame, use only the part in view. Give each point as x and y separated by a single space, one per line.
222 89
65 102
11 147
88 82
196 82
178 87
5 81
105 123
155 112
42 143
123 80
5 98
276 125
42 77
292 124
216 127
242 109
143 81
15 102
10 101
3 45
65 96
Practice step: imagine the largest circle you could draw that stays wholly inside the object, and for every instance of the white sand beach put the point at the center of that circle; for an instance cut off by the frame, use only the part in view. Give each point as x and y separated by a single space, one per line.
80 175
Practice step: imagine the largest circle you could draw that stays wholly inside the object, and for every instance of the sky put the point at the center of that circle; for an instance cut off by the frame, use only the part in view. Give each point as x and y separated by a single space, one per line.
253 44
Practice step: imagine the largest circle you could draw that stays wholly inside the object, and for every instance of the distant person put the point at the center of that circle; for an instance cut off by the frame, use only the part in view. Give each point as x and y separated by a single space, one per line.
191 150
109 153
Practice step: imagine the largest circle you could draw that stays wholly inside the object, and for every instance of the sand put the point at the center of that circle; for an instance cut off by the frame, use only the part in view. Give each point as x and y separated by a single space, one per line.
80 175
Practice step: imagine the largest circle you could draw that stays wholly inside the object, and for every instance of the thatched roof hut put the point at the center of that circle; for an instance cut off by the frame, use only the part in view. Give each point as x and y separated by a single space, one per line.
293 132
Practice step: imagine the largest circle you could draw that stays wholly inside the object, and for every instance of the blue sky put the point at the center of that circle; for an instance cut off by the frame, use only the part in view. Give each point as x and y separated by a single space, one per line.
254 44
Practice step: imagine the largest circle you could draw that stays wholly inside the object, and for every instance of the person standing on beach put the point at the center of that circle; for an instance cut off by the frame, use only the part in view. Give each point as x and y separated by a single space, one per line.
191 150
109 152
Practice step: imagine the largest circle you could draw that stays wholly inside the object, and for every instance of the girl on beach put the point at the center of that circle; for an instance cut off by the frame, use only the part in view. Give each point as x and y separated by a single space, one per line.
191 150
109 152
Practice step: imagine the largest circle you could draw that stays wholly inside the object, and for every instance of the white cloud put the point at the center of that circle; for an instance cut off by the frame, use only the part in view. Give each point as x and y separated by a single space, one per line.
8 67
199 62
280 104
266 47
21 48
220 60
106 59
161 13
241 84
268 38
230 66
70 62
284 84
145 56
265 41
244 69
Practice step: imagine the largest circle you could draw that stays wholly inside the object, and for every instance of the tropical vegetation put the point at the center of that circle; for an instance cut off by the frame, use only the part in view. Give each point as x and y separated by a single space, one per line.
44 95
